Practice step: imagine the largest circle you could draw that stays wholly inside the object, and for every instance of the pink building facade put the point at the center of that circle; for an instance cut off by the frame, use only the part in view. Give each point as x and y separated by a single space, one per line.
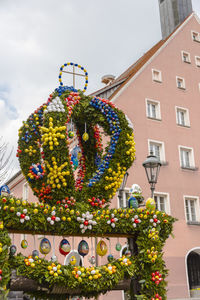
160 94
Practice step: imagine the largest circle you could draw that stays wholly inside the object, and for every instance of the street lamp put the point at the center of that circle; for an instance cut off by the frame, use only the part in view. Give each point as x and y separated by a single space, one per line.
152 166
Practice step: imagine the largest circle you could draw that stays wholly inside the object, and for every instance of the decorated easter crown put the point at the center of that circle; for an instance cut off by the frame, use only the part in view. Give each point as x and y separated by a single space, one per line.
44 146
49 155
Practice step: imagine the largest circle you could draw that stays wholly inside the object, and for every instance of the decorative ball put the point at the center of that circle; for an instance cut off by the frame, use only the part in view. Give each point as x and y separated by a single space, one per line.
101 248
13 250
118 246
73 260
85 136
110 257
24 244
71 134
54 258
83 248
64 247
35 253
45 246
92 260
132 202
150 204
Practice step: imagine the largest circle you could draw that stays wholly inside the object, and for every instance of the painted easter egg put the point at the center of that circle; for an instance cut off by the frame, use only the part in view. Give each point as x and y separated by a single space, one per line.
85 136
72 260
35 253
13 249
101 248
132 202
118 246
45 246
150 204
64 247
24 244
83 248
110 257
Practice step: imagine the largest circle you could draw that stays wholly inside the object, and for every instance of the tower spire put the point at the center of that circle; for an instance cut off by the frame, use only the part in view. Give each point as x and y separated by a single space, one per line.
173 13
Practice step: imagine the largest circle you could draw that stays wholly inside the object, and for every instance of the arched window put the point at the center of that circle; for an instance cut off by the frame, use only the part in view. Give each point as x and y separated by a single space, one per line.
193 265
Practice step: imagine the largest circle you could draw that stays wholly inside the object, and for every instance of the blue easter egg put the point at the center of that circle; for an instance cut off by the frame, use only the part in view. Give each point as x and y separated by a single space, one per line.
83 248
45 246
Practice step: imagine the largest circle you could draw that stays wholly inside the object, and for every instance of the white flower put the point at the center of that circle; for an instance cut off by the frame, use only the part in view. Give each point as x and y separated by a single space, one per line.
18 214
25 211
51 222
48 219
27 218
21 220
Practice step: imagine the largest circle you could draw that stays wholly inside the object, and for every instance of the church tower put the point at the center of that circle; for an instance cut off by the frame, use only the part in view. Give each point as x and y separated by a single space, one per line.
173 13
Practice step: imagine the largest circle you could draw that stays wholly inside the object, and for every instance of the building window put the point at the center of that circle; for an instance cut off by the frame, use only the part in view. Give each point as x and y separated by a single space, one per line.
197 61
195 36
182 116
180 82
156 75
153 109
162 202
191 208
186 157
186 57
157 148
25 191
123 196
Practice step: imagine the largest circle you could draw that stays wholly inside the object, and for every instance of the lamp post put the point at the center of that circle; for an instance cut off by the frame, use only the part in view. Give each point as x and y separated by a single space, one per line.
152 166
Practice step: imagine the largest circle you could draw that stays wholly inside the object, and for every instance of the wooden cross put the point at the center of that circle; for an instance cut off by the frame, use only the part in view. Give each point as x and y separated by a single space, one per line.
74 74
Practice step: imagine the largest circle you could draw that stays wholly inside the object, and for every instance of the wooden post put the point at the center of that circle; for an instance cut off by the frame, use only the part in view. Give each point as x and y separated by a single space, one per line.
134 285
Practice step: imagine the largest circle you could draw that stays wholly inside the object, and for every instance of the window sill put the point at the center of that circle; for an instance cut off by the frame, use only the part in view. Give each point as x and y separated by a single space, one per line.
187 126
189 168
181 88
187 62
157 80
156 119
193 223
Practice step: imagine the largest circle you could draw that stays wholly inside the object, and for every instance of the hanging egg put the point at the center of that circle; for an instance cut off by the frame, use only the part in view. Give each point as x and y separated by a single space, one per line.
85 136
35 253
64 247
71 134
72 260
24 244
13 250
118 246
110 257
132 202
45 246
54 258
101 248
150 204
83 248
92 260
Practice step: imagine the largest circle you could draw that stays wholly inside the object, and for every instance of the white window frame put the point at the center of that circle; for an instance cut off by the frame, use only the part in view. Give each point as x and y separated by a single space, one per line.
27 192
157 109
167 201
186 116
191 157
178 78
187 54
162 149
124 200
197 34
154 77
197 61
197 207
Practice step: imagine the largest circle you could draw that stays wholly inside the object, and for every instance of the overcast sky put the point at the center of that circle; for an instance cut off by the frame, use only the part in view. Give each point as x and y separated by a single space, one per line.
38 36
